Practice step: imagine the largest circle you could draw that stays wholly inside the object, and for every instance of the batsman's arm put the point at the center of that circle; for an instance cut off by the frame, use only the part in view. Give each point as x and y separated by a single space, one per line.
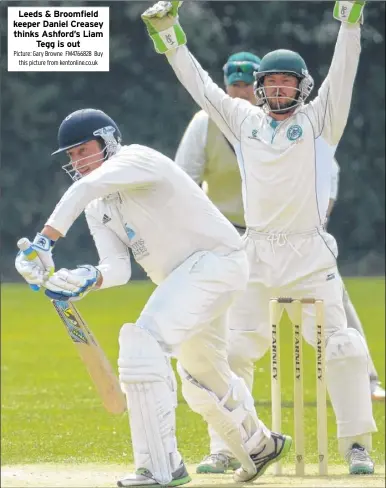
114 258
190 154
330 109
136 167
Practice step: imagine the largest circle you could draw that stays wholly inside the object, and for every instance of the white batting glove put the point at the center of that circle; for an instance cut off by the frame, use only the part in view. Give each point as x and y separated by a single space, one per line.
35 268
350 12
32 272
72 284
162 24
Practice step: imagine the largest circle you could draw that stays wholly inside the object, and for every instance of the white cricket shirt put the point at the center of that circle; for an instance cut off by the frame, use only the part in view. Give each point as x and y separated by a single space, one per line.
286 167
191 157
142 200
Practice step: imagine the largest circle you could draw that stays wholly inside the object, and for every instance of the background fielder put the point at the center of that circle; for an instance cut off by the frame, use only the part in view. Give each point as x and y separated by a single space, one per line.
209 159
285 153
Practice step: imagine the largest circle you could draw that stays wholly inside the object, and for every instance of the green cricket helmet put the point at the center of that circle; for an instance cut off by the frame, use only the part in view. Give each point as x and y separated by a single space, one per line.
241 67
287 62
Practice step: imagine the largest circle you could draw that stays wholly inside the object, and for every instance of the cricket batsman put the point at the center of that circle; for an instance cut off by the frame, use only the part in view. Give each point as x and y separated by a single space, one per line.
135 198
285 150
208 157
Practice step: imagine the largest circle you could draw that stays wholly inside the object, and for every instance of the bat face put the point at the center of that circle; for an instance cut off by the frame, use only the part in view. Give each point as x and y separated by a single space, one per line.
93 357
72 324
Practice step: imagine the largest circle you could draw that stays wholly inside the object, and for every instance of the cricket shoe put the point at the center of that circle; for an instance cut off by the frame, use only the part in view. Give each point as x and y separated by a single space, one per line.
272 451
218 464
377 392
143 477
359 460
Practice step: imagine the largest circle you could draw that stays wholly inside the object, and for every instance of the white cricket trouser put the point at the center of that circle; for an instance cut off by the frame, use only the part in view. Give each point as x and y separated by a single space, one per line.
354 322
301 266
186 314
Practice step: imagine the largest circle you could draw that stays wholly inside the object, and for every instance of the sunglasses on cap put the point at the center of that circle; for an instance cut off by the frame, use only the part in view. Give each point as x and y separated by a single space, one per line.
240 67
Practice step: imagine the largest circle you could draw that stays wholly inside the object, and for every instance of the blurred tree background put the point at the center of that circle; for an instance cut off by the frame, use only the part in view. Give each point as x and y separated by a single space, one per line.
142 94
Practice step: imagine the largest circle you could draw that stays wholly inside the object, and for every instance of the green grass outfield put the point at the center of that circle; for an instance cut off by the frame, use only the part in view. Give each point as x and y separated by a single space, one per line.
51 413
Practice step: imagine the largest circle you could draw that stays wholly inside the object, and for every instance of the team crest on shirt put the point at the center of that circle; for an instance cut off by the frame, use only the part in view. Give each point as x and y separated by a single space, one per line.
294 132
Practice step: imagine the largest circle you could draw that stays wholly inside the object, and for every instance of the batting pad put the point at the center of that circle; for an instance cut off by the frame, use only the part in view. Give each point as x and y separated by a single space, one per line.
230 425
148 381
348 384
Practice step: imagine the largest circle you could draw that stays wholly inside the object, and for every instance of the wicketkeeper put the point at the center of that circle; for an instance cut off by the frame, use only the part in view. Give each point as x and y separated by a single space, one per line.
285 150
208 157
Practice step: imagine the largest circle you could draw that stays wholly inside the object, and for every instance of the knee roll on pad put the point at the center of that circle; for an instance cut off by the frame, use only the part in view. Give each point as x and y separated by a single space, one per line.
227 423
346 343
348 383
141 357
148 381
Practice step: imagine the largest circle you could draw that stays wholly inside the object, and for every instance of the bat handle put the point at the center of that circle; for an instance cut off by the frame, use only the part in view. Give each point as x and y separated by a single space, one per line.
29 252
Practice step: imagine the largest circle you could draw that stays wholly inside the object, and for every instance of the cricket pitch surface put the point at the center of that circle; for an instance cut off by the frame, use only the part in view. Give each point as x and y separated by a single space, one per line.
101 476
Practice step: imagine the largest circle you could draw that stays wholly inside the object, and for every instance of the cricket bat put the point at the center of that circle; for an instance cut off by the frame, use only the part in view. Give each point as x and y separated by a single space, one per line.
95 360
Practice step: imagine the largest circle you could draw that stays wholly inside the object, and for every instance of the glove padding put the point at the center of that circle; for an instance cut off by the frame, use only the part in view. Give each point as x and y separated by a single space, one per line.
36 270
162 24
350 12
72 284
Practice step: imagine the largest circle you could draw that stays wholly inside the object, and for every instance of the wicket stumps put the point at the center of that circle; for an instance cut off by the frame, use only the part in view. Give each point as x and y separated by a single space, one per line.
275 311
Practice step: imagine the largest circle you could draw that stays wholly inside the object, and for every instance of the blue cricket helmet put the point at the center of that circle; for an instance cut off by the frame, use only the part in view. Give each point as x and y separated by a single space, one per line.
86 125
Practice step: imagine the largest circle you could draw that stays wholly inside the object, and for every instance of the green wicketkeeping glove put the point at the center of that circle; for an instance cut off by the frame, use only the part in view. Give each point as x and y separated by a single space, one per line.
349 12
163 27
